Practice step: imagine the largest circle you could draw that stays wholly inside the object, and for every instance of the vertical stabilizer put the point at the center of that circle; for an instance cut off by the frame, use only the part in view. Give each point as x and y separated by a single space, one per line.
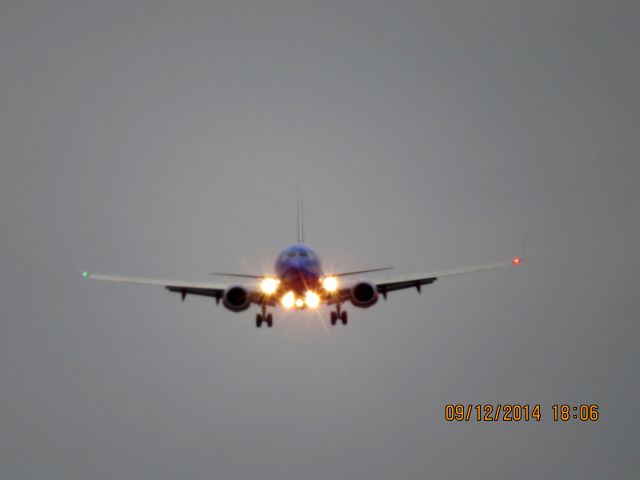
300 224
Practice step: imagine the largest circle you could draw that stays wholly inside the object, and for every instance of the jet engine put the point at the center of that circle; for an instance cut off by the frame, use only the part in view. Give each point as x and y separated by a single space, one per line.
364 294
236 299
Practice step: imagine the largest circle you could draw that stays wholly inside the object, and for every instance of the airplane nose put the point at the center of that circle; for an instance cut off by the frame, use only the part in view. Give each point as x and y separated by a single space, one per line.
299 278
293 273
297 262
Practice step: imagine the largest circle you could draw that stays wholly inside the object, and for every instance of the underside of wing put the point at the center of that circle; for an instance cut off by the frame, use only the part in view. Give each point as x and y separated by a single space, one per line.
204 289
417 280
401 282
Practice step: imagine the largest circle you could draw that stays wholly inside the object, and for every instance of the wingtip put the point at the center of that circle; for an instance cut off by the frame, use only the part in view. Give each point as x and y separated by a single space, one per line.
85 274
516 261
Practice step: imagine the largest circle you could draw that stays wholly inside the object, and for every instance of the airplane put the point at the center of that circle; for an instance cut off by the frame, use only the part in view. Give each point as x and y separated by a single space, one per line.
300 283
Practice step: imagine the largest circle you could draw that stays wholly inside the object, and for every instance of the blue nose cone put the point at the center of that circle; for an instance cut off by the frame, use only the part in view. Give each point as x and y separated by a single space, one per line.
298 267
299 263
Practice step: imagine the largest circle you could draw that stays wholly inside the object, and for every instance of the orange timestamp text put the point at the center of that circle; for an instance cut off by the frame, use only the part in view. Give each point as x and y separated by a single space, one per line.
513 412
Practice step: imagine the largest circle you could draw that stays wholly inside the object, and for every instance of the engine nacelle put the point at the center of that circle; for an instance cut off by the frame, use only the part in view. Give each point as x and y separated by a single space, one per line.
236 299
364 294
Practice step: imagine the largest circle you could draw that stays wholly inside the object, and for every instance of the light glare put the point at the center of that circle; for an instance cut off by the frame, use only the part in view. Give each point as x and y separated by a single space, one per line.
269 285
311 299
299 302
288 300
330 284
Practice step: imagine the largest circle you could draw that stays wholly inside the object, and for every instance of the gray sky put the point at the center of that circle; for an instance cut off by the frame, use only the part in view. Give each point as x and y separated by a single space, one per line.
165 139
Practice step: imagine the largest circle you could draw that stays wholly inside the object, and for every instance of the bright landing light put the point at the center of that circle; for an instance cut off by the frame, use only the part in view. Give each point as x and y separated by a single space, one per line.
330 284
269 285
288 300
312 300
299 302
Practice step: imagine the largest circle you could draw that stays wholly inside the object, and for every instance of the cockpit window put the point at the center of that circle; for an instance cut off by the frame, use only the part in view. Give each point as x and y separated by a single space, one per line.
297 253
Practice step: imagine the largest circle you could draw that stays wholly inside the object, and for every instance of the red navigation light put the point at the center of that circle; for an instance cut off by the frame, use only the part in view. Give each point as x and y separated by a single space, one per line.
516 260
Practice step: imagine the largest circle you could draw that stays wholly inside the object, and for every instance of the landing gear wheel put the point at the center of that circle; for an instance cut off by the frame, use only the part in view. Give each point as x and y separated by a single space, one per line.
259 320
269 320
344 318
334 318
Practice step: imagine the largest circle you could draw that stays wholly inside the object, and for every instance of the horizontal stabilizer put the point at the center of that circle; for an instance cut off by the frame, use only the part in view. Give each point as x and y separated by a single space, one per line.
355 272
237 275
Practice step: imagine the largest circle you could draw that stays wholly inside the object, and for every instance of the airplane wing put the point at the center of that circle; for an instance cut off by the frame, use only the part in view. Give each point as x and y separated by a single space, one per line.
416 281
204 289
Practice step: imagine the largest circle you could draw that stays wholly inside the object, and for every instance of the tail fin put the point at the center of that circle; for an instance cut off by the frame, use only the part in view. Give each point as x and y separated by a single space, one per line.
300 224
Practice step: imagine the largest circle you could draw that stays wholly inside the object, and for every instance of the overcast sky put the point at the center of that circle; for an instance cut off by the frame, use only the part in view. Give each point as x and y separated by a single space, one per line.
166 139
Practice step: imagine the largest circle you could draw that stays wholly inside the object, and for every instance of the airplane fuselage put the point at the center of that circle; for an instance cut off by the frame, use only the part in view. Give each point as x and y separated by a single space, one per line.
298 269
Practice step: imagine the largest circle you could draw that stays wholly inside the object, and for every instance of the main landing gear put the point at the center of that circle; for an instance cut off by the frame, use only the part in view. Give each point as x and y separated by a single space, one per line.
338 315
264 317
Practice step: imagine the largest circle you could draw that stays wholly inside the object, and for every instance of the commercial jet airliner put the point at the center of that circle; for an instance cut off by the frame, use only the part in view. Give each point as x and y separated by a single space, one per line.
299 283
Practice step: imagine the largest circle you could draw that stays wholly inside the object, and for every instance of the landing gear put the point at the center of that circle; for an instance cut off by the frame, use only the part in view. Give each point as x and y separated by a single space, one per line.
264 317
339 315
